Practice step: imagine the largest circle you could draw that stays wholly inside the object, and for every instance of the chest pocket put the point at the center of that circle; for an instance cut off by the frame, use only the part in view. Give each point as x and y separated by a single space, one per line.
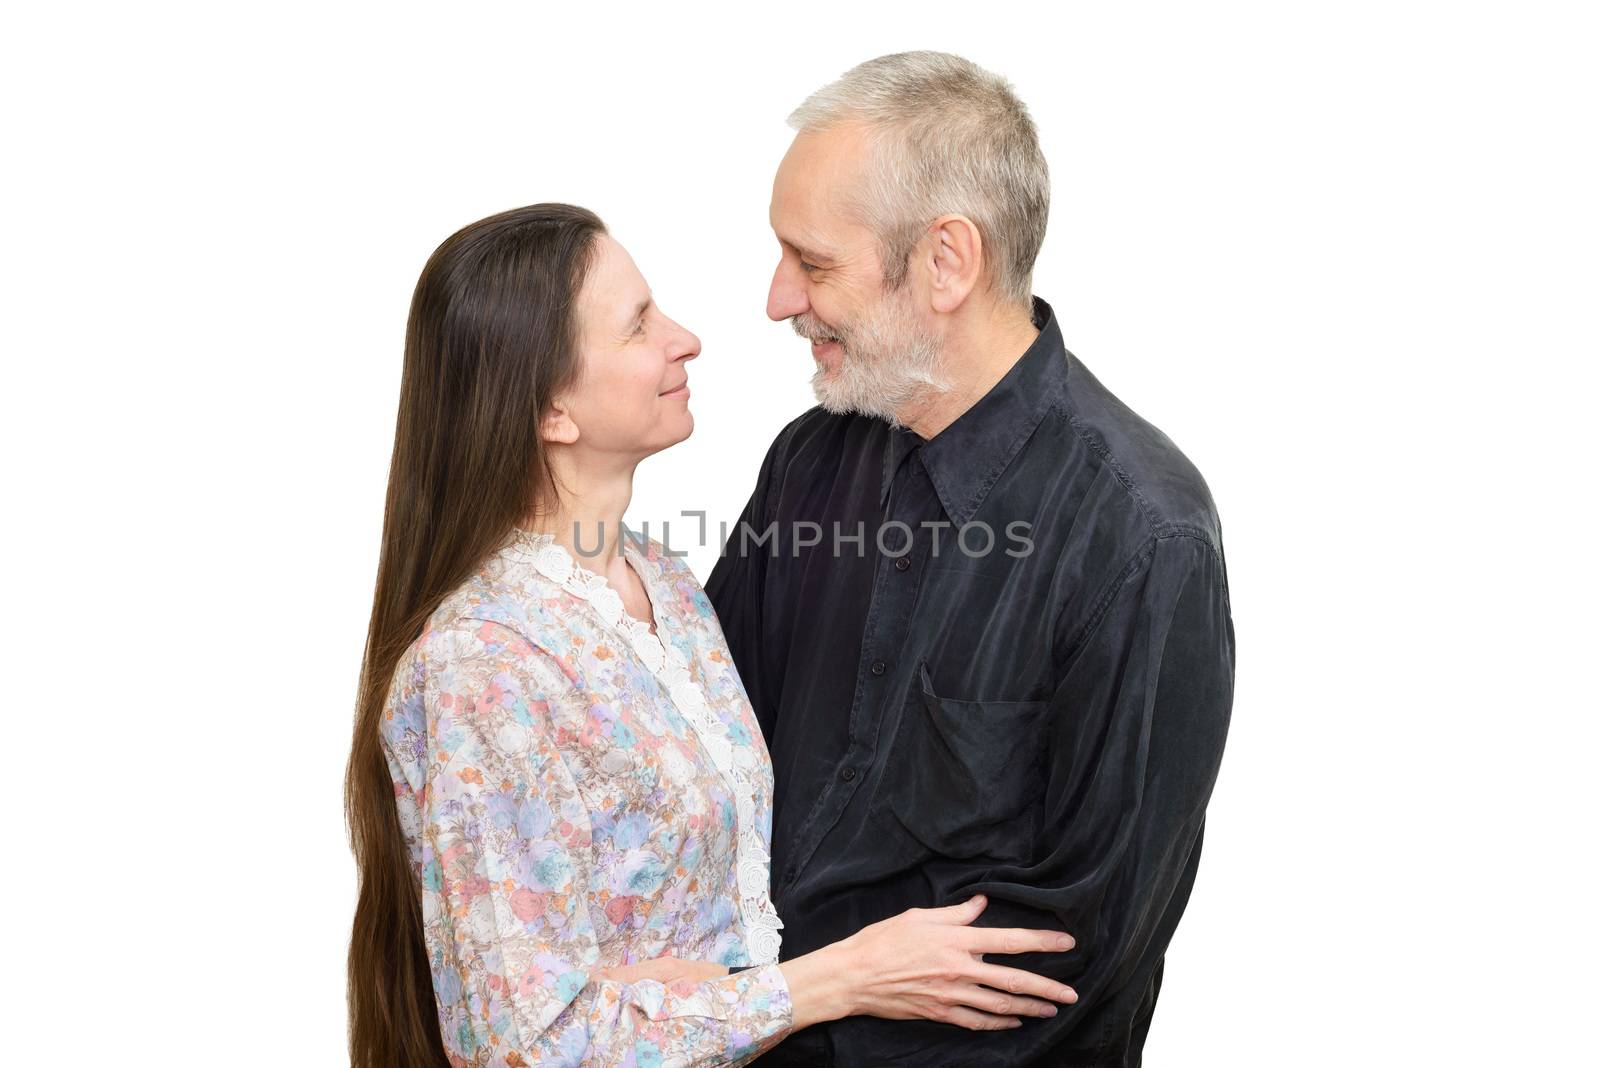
965 779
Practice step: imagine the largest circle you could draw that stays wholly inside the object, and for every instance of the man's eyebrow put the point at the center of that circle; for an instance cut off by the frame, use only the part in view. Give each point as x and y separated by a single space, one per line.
805 253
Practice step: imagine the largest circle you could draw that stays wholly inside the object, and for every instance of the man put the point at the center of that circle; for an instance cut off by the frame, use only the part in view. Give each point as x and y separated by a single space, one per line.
979 605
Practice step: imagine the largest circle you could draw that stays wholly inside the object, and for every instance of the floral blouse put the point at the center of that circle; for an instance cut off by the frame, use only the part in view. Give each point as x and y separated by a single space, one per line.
579 793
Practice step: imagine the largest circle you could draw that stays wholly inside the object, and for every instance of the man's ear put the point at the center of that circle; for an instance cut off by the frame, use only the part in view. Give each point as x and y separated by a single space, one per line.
955 260
556 426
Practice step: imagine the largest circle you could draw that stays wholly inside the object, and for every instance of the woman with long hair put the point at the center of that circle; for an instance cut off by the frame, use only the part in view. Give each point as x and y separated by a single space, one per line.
558 796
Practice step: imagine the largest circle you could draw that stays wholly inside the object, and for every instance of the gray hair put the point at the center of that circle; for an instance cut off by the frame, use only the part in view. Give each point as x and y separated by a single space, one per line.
948 137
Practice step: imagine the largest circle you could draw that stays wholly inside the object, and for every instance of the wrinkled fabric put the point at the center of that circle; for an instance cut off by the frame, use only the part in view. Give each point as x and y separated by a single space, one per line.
563 815
1041 723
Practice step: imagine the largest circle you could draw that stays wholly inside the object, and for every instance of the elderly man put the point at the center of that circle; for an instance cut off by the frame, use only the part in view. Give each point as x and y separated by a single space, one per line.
978 603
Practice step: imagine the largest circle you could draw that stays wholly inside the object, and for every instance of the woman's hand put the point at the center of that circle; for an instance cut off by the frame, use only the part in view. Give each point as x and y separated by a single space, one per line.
928 964
680 976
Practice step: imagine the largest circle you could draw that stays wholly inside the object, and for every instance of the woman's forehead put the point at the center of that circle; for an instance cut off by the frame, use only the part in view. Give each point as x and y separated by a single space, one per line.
614 288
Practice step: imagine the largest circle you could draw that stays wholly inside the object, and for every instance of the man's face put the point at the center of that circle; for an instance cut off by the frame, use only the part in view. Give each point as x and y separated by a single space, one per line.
872 350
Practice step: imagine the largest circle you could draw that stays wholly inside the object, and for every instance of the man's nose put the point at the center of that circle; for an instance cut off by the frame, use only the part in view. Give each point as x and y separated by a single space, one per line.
786 297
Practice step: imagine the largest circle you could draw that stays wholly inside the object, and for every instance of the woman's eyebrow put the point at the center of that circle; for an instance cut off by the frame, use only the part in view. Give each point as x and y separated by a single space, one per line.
643 304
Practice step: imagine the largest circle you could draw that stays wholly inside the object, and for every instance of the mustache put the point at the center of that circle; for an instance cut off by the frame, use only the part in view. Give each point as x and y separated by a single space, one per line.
811 328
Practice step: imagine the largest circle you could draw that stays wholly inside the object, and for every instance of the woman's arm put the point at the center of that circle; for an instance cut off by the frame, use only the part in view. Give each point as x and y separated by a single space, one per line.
502 836
923 964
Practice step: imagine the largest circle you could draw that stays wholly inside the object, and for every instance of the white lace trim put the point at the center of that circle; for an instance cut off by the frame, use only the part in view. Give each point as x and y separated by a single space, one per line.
736 764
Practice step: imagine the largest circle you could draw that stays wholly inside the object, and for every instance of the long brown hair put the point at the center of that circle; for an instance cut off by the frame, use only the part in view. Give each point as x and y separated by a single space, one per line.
491 339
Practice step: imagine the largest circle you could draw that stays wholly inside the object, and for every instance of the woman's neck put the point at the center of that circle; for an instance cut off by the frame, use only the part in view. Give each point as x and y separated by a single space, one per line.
590 504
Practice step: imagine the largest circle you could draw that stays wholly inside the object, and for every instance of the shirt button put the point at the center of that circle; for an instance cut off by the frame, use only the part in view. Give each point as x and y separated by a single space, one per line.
848 774
877 667
901 564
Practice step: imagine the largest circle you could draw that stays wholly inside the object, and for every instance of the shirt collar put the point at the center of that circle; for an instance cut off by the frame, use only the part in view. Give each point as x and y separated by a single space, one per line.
965 458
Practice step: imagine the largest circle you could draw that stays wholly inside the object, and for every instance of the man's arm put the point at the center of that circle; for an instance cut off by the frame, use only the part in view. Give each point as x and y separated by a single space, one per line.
1135 742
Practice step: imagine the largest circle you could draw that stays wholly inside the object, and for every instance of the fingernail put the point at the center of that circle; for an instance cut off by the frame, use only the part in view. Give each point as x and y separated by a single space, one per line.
1014 1023
1066 942
1071 996
1050 1010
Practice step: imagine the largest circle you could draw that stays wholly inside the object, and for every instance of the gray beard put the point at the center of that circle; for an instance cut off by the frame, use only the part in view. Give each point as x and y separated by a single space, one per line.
888 364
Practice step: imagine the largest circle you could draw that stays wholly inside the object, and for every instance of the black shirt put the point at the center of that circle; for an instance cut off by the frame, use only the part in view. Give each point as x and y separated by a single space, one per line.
998 661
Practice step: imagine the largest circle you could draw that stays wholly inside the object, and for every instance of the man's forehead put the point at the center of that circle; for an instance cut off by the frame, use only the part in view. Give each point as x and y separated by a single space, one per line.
810 199
793 223
824 160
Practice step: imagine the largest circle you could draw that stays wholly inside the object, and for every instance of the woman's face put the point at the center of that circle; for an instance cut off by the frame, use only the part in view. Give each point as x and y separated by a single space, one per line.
632 394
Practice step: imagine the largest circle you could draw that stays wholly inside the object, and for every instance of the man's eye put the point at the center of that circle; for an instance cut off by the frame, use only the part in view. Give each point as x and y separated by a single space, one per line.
808 267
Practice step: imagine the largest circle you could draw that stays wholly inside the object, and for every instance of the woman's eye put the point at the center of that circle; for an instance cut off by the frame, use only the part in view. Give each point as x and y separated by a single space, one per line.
639 329
807 267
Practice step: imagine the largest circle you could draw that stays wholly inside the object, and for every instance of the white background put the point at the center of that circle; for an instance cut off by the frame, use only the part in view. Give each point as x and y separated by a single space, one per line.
1344 254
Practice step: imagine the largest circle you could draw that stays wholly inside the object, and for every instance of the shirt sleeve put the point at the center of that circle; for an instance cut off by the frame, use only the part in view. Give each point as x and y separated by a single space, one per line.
500 838
1136 735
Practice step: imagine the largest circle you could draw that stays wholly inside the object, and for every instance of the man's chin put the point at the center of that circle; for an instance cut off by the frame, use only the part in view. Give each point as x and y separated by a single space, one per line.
837 394
825 387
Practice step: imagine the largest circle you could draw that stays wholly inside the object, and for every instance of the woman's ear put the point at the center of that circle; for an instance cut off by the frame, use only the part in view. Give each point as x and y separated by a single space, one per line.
556 426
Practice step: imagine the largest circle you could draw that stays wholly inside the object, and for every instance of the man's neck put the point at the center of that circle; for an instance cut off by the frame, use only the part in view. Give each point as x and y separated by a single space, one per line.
977 355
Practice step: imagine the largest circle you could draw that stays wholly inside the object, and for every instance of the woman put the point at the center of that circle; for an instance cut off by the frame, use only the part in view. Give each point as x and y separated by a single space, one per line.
558 795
